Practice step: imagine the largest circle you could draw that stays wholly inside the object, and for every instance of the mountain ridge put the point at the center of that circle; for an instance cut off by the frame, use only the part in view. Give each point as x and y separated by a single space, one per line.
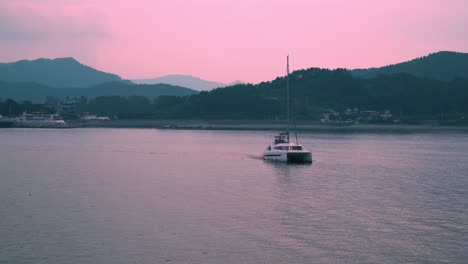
37 92
442 65
59 72
184 80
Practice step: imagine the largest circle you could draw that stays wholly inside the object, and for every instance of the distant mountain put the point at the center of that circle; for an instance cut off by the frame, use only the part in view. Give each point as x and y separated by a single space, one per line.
38 92
235 83
61 72
444 65
189 81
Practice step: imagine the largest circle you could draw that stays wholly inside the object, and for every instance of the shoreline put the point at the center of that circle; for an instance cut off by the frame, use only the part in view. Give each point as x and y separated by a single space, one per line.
269 125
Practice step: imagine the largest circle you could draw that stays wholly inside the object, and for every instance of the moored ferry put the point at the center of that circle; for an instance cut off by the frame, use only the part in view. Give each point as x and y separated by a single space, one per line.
41 120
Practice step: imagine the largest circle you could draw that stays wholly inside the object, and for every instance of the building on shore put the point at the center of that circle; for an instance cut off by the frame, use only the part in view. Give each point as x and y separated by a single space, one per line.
354 116
95 118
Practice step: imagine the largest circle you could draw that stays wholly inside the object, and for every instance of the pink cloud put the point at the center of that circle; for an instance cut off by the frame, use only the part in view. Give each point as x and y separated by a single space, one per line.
34 29
244 39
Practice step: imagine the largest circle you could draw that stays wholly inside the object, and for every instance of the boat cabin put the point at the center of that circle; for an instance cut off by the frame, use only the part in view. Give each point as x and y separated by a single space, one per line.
282 138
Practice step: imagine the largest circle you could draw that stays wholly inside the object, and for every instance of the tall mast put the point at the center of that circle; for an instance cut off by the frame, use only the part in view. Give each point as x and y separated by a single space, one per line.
287 94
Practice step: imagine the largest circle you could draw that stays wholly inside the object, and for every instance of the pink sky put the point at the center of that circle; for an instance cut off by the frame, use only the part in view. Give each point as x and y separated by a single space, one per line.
222 40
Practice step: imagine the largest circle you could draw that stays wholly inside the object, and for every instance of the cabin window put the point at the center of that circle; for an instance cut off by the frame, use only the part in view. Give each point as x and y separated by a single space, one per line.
296 147
282 148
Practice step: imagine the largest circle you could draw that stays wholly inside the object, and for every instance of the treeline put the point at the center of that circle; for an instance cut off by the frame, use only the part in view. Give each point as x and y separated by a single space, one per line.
139 107
36 92
313 91
242 105
11 108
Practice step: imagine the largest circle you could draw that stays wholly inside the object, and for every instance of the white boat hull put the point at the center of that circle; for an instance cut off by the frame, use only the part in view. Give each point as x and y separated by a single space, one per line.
288 156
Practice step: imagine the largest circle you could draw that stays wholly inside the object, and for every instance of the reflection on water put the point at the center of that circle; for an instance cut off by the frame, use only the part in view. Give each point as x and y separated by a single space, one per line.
150 196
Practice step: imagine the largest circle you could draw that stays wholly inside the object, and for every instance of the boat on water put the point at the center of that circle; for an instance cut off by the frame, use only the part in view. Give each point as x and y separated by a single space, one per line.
286 151
282 149
37 118
40 120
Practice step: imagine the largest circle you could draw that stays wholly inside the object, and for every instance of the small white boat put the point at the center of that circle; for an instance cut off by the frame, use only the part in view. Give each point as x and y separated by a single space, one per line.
283 149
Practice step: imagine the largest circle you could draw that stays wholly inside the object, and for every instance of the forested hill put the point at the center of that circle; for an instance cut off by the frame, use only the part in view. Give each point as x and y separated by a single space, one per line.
59 73
444 65
314 91
38 93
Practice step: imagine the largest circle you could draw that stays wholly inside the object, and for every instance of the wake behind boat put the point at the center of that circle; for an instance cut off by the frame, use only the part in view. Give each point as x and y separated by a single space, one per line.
283 149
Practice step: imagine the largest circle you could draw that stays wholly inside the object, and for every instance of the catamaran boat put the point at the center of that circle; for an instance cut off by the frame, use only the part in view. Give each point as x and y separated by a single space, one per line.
283 149
286 151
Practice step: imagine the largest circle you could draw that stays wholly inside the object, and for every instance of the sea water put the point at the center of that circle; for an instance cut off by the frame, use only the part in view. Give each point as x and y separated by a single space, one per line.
180 196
